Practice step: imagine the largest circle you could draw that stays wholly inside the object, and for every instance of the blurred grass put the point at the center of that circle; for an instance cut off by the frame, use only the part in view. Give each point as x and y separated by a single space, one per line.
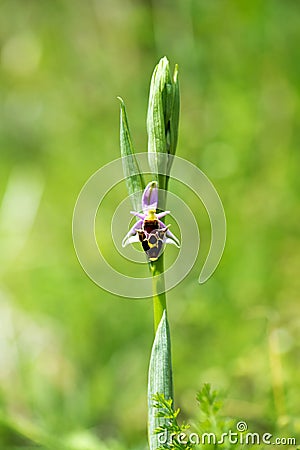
73 357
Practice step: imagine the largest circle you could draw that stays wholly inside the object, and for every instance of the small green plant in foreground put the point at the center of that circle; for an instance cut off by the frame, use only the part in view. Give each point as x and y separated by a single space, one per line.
171 431
210 430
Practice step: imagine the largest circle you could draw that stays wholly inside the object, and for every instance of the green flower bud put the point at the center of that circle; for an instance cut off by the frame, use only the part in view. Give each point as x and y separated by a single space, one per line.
162 122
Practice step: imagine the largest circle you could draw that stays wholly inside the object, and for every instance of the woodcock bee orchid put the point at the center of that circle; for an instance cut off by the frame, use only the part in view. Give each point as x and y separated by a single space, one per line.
149 229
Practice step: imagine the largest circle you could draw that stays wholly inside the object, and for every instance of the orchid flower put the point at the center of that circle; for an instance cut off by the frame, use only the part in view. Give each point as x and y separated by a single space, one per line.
149 229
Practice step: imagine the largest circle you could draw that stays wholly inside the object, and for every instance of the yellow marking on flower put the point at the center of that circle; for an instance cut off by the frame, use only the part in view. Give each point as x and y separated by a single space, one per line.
151 215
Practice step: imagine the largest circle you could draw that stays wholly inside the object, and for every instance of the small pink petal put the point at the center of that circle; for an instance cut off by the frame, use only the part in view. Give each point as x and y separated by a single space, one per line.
150 196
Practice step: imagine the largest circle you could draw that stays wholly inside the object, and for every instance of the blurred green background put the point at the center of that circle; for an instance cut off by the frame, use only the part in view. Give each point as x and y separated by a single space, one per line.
74 358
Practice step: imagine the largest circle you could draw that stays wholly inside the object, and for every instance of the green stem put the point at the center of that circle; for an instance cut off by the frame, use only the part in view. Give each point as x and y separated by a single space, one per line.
158 288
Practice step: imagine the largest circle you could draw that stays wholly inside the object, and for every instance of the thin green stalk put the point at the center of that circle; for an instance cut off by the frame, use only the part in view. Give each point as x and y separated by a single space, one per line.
158 288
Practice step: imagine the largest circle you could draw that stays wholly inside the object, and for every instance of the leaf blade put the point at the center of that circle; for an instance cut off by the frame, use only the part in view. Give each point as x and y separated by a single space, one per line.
160 379
134 178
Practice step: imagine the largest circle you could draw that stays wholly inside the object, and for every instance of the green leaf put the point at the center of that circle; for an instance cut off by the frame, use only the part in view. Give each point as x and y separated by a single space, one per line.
134 178
160 379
